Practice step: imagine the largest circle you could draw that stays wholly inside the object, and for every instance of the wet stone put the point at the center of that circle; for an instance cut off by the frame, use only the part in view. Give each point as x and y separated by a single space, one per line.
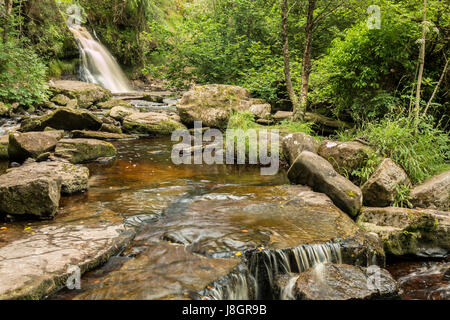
164 271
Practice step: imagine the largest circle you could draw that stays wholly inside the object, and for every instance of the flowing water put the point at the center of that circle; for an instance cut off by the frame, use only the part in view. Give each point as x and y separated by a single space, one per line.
97 63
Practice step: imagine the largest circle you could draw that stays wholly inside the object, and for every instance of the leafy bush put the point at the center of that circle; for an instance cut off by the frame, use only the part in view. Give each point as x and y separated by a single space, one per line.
22 75
361 72
421 155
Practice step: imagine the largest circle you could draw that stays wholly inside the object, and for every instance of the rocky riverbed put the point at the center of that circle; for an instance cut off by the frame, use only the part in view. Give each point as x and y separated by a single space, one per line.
93 188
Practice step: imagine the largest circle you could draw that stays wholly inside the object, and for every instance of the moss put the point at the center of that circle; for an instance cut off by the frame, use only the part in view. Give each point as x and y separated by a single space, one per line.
350 193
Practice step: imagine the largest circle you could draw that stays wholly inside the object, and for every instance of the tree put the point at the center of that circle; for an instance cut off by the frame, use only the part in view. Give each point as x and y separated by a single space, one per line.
421 61
287 66
8 9
306 61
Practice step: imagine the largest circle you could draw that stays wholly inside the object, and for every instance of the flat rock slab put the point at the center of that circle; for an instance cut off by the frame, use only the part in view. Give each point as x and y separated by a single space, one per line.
162 272
99 135
32 267
248 219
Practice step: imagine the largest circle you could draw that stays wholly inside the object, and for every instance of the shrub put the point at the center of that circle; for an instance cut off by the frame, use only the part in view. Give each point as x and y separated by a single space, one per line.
22 75
421 155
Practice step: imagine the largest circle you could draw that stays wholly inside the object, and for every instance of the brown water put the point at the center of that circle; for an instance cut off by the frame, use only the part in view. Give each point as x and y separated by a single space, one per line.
426 280
195 221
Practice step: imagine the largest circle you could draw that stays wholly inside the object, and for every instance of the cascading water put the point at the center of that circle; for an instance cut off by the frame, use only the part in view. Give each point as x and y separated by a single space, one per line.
98 65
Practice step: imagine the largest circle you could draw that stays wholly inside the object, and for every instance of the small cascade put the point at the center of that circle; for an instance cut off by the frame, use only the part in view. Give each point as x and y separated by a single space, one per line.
287 292
238 285
266 265
98 65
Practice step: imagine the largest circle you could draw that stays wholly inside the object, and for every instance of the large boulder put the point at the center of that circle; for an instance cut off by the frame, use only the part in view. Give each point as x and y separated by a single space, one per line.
421 232
32 144
4 142
84 150
380 189
73 178
87 94
295 143
344 156
151 123
29 192
338 282
314 171
63 119
433 193
213 104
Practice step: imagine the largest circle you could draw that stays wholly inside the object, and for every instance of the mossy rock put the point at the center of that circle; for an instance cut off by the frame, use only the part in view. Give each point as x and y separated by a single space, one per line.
404 231
63 119
213 104
151 123
87 94
84 150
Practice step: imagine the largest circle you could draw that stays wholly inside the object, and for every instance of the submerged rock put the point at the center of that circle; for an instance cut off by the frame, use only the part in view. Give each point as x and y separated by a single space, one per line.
86 93
314 171
63 119
151 123
162 272
404 231
32 144
338 282
213 104
53 253
344 156
84 150
295 143
100 135
433 193
381 188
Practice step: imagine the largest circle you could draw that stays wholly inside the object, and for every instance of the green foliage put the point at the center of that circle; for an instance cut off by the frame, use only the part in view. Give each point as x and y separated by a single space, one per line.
22 75
366 169
293 126
242 120
402 197
361 71
420 155
57 67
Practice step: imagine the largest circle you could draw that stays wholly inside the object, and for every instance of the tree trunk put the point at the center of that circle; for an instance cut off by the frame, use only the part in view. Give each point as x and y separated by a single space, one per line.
437 87
8 9
421 63
287 66
306 62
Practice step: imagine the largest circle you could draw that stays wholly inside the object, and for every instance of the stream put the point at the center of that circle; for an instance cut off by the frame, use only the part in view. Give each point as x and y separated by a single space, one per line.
191 220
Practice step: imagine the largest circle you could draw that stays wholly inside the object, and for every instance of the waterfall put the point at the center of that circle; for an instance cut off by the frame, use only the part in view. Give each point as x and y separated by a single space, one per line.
98 65
266 265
